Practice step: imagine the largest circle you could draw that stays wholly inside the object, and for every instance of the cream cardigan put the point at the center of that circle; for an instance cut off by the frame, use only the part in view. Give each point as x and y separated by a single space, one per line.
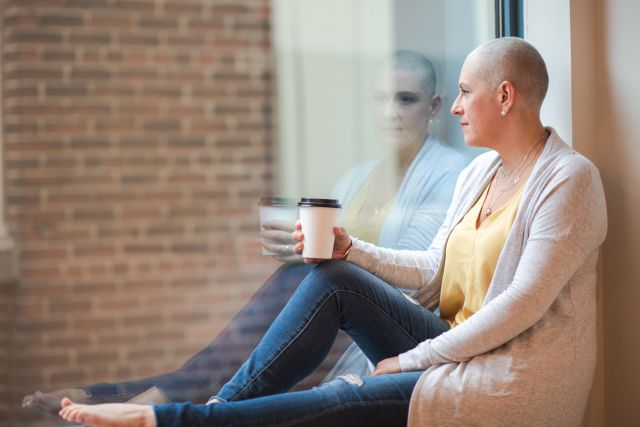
527 356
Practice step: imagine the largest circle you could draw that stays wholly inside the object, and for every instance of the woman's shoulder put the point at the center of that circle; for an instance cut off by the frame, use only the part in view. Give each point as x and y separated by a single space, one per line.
564 161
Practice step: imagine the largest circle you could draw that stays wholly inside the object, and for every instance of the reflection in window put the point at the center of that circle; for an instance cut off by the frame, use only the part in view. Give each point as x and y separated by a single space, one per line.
327 54
138 138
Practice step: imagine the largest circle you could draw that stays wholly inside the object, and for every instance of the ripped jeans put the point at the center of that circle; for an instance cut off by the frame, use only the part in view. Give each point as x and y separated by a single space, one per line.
334 295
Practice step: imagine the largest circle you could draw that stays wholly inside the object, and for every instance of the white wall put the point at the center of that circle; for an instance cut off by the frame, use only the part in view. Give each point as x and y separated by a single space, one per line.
554 43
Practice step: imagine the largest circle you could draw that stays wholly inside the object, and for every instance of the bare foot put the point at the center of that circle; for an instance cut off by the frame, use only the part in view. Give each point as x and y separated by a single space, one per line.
49 403
108 414
151 395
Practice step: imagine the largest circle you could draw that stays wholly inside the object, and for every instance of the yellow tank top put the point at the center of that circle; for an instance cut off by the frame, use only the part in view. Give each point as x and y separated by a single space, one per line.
471 257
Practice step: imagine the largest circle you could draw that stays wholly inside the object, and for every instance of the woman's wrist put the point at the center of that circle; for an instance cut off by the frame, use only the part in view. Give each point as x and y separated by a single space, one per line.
346 253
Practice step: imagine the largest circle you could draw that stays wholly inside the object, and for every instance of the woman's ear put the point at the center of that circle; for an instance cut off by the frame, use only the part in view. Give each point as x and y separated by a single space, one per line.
435 104
506 92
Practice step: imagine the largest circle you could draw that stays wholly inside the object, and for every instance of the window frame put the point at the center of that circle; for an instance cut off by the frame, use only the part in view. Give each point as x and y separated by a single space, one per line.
510 22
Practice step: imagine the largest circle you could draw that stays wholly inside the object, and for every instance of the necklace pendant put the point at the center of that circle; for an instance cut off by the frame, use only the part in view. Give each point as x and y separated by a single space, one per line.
516 180
487 211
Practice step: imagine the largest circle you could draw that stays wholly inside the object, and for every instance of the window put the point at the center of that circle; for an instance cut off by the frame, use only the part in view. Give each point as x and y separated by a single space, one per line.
138 137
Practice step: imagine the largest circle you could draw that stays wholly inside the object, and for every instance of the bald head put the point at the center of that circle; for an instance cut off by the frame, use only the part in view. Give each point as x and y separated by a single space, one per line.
414 62
517 61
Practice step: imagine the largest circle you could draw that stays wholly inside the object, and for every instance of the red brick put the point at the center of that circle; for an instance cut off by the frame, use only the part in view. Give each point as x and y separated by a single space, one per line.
59 55
192 41
131 5
60 20
93 215
210 24
138 39
90 73
111 21
158 23
194 8
34 73
44 254
229 9
33 36
65 90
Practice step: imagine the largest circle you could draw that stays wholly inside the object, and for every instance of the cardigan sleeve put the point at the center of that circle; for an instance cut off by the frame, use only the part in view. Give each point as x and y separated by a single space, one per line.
567 225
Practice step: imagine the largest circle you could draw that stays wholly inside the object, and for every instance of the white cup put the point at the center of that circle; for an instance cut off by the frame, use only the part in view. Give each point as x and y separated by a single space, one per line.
317 218
276 208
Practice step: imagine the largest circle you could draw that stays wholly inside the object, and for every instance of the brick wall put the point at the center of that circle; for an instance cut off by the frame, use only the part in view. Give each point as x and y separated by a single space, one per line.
138 135
6 362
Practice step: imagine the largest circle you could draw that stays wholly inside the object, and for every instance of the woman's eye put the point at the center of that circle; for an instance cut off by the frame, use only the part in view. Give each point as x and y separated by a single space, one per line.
464 91
406 98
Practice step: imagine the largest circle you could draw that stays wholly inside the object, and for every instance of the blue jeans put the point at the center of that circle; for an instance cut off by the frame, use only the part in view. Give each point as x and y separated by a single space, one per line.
335 295
212 367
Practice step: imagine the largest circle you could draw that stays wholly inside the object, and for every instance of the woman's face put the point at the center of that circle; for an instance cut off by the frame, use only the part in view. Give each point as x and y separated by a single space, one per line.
401 108
478 106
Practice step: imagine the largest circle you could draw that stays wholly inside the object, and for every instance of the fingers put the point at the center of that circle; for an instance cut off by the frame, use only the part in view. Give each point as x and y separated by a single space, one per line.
277 249
390 365
298 250
277 236
277 242
279 224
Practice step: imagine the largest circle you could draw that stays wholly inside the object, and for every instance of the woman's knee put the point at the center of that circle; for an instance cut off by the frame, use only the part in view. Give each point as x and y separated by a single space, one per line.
333 274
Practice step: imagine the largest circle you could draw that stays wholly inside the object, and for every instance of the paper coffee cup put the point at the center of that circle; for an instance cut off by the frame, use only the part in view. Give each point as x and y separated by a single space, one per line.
317 218
276 208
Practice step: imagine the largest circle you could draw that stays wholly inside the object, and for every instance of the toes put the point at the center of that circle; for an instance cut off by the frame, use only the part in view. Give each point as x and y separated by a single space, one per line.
27 401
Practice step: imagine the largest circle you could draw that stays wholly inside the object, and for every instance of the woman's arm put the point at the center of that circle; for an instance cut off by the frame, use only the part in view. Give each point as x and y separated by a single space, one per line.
568 226
411 269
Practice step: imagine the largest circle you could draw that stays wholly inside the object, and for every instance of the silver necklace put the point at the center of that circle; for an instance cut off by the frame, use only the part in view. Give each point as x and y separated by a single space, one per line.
520 168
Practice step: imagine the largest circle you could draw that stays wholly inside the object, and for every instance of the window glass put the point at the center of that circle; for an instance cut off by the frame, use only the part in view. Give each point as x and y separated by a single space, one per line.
138 138
327 56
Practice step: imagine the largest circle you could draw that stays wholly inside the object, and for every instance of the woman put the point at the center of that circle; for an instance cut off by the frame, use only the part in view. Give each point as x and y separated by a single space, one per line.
398 202
513 268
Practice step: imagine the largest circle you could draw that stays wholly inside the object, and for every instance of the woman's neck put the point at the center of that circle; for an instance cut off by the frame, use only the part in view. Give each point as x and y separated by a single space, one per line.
517 146
404 156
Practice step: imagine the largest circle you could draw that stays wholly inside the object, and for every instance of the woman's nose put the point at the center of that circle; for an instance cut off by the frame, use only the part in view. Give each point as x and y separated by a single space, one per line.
456 110
389 109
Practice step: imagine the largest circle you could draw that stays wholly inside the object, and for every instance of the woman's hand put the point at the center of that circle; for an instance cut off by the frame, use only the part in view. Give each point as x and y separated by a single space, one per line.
276 237
388 366
341 244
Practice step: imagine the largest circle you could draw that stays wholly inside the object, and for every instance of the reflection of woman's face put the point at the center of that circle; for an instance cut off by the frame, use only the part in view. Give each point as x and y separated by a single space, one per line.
401 108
